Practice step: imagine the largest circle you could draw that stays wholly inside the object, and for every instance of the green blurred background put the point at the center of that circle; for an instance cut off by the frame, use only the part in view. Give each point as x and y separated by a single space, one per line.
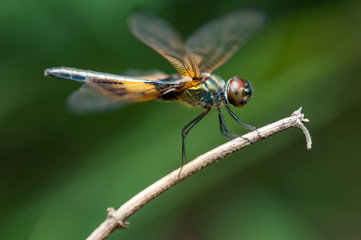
60 171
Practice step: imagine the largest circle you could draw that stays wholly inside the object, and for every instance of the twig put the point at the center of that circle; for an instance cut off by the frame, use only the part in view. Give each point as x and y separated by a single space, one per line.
117 218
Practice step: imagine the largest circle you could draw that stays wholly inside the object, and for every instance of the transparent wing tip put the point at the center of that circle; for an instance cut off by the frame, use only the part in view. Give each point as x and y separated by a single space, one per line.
87 100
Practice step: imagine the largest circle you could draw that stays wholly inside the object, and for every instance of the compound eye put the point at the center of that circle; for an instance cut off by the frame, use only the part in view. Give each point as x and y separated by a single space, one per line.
239 91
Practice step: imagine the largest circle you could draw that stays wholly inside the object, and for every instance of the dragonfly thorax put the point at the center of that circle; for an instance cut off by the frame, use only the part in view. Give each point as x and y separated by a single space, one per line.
208 93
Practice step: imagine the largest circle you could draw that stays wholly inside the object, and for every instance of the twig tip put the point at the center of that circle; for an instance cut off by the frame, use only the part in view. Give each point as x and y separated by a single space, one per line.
300 125
297 112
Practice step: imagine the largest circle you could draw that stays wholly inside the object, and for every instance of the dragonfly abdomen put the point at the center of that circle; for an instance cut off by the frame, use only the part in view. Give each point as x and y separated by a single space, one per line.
67 73
80 75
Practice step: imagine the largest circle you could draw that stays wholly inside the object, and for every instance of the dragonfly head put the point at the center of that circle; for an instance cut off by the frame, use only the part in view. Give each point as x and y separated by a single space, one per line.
238 91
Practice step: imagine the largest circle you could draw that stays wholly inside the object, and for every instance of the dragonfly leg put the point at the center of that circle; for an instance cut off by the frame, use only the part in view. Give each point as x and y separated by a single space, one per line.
236 118
186 130
223 127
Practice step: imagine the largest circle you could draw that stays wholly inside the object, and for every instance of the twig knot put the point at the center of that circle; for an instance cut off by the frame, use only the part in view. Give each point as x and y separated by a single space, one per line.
112 214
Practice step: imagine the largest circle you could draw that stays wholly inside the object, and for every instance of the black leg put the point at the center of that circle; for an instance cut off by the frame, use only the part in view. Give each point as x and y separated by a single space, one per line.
236 118
186 130
223 127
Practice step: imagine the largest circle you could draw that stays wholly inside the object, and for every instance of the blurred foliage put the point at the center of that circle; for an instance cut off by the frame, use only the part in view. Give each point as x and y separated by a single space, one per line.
60 171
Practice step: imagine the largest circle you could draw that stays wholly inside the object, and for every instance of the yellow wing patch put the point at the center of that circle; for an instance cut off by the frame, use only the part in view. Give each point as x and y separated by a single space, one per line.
127 91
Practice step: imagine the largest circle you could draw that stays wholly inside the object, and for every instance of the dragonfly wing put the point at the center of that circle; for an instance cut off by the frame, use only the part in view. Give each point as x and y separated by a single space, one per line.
128 89
214 43
121 88
158 35
154 74
87 99
108 94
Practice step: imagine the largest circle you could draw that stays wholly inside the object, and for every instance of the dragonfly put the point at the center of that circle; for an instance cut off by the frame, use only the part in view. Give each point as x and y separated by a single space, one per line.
194 60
